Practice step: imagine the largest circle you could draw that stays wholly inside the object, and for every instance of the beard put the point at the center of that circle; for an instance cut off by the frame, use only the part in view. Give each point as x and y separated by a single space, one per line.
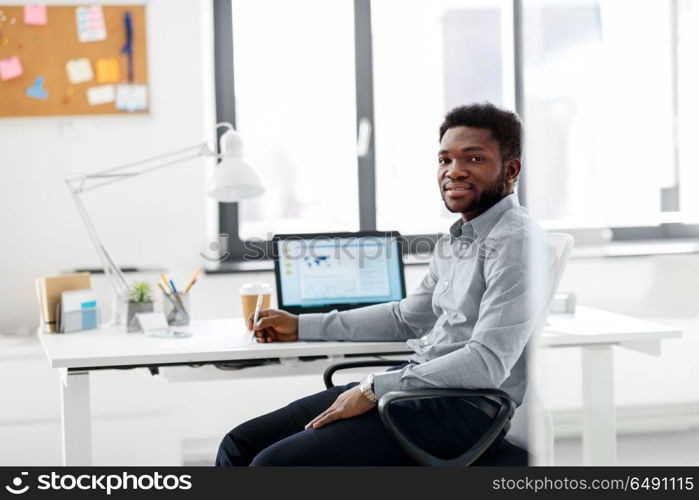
485 199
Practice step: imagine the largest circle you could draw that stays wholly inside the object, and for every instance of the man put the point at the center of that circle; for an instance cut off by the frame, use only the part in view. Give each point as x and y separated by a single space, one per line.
468 322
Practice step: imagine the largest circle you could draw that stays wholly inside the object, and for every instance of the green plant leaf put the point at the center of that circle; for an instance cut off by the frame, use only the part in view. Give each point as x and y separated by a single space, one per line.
141 291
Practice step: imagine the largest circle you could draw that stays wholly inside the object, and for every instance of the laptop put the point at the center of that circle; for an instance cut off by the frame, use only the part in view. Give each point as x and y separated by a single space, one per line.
321 272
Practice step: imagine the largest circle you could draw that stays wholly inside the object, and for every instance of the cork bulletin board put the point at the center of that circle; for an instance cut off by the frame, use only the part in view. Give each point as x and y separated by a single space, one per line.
73 60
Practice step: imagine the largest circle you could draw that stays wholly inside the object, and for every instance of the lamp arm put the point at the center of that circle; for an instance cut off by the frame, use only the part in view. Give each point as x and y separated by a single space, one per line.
201 148
116 278
76 184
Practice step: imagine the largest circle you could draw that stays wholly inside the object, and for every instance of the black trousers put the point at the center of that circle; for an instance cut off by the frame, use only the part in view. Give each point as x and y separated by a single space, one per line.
445 427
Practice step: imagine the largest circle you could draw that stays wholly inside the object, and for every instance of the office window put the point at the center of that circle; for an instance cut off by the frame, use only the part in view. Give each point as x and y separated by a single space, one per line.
295 107
598 86
607 87
688 107
428 58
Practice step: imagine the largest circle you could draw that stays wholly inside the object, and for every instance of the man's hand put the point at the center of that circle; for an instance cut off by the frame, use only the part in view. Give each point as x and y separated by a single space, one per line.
349 404
274 325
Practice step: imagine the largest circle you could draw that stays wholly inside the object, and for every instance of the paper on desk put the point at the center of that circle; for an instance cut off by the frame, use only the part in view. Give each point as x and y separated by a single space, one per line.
217 342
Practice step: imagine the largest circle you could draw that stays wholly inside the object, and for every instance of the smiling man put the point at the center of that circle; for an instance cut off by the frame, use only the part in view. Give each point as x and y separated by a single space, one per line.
468 322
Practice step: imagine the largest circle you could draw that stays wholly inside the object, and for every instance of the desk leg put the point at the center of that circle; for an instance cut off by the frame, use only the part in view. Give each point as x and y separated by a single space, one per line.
76 419
599 411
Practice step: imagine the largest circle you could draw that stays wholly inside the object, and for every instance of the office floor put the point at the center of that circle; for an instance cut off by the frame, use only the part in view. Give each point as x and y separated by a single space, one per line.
667 448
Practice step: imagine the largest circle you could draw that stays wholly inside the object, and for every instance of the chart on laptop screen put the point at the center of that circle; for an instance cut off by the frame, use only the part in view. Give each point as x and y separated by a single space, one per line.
328 274
357 270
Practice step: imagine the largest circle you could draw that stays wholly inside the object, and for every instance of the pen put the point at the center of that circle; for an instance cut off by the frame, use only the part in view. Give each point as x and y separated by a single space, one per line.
178 299
256 316
168 297
176 302
192 281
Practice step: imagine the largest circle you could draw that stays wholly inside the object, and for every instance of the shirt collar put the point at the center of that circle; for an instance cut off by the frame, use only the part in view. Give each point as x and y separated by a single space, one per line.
482 224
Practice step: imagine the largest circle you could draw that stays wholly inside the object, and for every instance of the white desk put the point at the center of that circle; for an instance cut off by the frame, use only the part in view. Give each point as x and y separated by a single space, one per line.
76 354
596 331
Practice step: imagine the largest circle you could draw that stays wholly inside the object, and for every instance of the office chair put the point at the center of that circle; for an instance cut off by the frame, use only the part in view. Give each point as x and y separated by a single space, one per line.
510 451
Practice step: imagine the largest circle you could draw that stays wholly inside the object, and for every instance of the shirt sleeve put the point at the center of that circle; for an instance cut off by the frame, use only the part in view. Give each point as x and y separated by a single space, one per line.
509 313
409 318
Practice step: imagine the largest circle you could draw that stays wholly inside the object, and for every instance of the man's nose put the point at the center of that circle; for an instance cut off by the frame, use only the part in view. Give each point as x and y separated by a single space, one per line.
457 170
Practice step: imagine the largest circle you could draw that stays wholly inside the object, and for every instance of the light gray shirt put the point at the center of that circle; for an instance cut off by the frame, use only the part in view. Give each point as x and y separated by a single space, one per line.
473 314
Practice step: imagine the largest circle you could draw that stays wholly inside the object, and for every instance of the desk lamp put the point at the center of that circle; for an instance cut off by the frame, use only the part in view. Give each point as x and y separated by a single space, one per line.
234 180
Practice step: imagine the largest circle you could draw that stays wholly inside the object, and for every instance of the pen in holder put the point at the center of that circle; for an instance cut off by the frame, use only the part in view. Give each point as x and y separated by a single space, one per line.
176 308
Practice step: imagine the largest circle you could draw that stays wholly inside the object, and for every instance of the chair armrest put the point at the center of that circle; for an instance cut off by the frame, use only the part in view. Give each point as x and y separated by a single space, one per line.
330 370
507 408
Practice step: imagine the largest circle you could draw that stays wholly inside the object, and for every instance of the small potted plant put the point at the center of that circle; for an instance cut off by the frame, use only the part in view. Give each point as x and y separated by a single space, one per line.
140 301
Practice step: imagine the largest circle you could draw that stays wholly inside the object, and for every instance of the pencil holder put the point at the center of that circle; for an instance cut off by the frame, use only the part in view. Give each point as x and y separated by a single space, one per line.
176 308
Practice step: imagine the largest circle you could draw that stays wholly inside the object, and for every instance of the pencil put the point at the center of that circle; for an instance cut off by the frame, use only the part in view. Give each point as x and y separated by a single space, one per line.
192 281
166 281
256 316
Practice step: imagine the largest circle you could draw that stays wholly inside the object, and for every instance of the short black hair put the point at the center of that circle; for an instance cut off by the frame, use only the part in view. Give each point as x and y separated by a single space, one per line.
505 126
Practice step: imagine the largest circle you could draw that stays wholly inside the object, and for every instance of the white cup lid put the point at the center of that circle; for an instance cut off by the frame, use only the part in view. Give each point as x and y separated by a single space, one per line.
255 289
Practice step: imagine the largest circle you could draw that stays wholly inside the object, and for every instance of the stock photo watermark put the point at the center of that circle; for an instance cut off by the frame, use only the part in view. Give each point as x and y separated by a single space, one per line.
362 248
102 483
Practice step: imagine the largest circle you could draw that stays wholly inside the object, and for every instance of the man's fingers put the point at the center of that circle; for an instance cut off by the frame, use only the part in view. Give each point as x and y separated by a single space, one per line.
270 335
329 418
249 320
310 424
263 314
266 335
266 322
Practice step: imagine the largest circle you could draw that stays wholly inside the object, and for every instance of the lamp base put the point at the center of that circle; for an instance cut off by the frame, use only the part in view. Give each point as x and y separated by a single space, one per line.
118 316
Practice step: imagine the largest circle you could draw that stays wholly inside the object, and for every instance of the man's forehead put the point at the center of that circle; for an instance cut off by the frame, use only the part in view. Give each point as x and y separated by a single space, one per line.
468 136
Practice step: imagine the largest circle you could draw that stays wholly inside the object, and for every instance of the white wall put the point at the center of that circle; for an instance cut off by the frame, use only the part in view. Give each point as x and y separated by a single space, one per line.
156 220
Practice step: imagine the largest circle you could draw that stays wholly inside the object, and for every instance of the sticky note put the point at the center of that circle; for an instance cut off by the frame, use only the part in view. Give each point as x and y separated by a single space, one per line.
107 70
100 95
10 68
79 70
90 24
131 97
35 15
38 91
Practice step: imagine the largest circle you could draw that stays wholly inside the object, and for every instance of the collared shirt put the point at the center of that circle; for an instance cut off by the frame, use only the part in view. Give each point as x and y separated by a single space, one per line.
473 314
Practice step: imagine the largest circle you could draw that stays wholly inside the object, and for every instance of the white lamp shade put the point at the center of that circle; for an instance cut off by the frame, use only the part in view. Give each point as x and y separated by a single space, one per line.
235 179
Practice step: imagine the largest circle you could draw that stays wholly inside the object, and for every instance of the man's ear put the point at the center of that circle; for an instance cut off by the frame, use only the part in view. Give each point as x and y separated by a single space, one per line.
512 169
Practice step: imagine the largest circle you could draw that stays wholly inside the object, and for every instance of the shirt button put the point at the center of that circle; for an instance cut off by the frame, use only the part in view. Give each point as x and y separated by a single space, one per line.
446 284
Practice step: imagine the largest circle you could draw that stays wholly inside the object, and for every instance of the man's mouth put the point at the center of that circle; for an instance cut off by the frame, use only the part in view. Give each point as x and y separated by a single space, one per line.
457 190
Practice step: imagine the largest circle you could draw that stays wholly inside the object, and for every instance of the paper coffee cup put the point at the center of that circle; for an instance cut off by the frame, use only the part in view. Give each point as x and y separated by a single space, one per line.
248 296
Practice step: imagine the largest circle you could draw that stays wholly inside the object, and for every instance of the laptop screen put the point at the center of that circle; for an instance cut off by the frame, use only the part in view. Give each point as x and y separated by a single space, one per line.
318 273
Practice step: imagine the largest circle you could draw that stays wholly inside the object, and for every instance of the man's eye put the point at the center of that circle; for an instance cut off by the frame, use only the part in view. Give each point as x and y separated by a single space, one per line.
476 159
444 161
